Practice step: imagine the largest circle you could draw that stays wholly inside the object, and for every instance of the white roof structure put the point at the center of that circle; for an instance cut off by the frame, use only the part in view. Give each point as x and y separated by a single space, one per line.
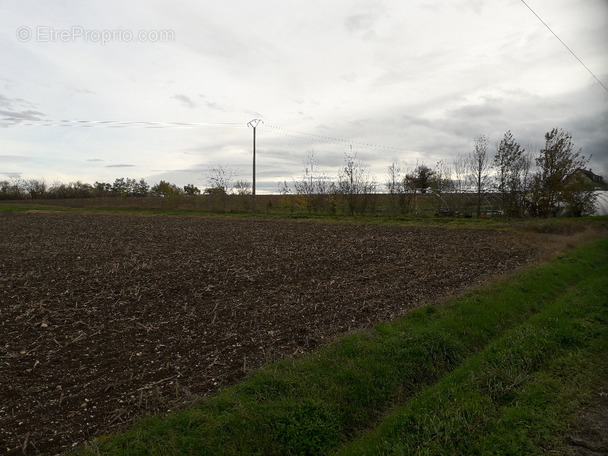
601 203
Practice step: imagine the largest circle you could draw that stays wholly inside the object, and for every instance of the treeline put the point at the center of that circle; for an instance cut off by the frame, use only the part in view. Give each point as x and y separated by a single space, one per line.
122 187
508 181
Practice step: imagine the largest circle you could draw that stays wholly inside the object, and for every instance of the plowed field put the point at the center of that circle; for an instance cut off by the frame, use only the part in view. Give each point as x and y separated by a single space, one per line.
104 318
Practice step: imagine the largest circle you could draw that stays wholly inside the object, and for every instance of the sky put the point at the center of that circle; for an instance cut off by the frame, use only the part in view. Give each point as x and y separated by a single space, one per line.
164 90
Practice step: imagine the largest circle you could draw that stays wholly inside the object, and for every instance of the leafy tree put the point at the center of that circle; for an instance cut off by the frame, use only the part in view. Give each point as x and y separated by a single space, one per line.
512 165
215 191
102 189
404 189
422 178
120 187
579 196
165 190
556 162
81 189
138 188
191 190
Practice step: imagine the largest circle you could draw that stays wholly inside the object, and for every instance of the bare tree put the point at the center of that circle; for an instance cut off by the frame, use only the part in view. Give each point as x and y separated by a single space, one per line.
459 165
312 189
404 188
242 187
459 181
35 188
220 180
394 185
11 190
355 184
442 184
409 202
478 167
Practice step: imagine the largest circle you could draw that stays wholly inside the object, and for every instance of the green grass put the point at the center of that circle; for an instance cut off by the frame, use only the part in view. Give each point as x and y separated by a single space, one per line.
114 210
563 226
498 371
516 396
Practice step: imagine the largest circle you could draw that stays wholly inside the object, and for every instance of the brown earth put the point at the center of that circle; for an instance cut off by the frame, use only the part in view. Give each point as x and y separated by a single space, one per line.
105 318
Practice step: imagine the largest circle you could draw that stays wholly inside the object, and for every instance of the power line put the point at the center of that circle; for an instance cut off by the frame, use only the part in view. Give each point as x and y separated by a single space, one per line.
566 46
329 138
122 124
81 123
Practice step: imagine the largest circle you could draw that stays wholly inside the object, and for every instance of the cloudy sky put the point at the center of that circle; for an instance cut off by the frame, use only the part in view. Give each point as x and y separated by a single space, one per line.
161 89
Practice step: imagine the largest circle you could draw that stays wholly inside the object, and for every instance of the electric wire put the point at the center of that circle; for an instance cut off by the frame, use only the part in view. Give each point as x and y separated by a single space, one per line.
303 135
566 46
273 129
123 124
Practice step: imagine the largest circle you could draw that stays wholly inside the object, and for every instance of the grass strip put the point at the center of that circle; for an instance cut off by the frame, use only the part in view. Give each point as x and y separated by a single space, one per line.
516 396
317 404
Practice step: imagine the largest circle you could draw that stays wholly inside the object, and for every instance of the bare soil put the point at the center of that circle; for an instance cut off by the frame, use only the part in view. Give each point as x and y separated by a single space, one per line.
105 318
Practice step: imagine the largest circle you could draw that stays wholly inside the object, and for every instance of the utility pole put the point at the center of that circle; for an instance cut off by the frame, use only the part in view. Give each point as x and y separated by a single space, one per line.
253 124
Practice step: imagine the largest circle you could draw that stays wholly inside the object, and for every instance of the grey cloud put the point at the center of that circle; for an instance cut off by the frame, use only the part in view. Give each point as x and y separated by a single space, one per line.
79 90
185 100
591 124
13 159
476 111
11 175
120 166
10 103
589 133
16 110
359 22
18 116
212 104
362 25
5 102
255 114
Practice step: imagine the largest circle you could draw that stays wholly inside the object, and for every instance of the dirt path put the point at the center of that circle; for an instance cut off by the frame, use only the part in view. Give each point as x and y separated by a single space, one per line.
106 318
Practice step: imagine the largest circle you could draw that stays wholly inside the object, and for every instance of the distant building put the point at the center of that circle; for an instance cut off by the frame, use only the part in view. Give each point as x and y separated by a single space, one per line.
597 184
598 181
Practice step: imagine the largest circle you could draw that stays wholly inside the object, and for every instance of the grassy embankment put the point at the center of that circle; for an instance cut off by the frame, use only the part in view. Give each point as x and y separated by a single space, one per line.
501 370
